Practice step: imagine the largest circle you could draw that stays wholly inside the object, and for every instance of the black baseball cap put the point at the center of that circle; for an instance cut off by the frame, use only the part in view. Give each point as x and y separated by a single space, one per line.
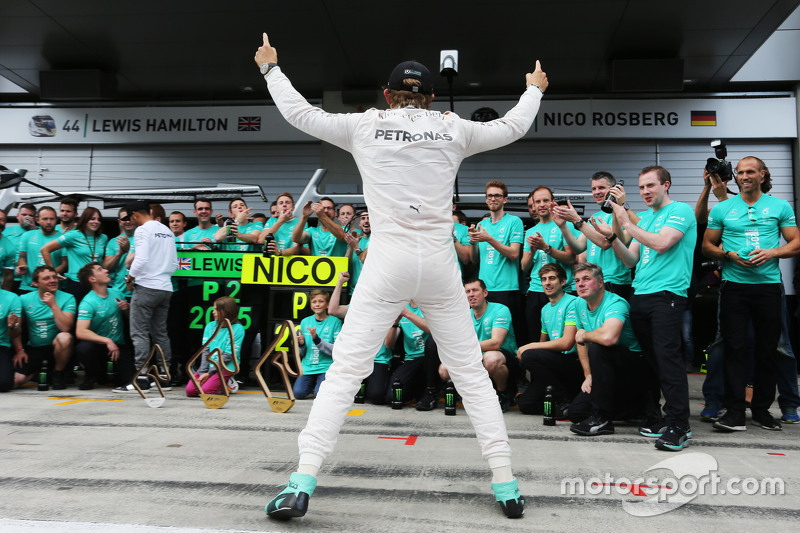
135 206
411 69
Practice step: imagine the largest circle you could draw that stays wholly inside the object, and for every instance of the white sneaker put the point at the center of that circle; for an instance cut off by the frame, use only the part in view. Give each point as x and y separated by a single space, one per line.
233 385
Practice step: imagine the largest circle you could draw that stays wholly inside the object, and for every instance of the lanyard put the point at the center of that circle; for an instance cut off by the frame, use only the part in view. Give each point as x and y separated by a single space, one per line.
92 246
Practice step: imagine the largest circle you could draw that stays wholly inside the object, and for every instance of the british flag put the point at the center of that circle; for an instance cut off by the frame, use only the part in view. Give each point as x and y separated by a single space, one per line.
184 264
249 123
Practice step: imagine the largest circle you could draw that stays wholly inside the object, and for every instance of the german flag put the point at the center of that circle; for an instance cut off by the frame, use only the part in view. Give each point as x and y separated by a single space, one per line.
704 118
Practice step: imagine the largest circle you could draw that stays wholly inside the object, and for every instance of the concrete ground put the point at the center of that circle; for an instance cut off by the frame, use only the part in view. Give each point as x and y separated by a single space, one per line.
77 461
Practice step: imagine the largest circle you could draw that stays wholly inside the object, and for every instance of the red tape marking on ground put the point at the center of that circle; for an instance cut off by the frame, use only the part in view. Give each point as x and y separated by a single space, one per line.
775 453
636 490
410 440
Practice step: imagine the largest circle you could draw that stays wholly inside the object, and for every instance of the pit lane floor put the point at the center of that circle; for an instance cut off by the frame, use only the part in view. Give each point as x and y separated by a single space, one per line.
78 461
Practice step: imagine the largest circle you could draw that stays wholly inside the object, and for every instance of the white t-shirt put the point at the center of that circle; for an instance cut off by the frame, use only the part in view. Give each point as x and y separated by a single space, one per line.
155 257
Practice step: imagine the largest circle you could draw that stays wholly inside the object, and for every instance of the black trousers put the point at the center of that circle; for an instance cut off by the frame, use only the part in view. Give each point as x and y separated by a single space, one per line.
742 304
534 302
657 319
378 383
6 369
93 357
616 371
411 375
626 291
548 368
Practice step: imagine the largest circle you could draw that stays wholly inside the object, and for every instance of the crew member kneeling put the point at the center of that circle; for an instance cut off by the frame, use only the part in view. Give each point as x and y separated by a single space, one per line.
608 351
100 329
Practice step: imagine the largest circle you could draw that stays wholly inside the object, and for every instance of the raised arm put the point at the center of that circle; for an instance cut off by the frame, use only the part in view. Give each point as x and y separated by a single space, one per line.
298 235
482 136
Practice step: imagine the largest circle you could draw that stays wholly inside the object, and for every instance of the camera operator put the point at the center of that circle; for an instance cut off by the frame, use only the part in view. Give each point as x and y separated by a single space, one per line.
661 250
745 233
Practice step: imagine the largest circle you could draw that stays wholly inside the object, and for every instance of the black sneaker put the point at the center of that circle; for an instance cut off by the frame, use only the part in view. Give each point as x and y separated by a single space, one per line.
731 422
593 426
429 400
59 380
763 420
562 411
88 383
674 439
653 427
505 400
144 384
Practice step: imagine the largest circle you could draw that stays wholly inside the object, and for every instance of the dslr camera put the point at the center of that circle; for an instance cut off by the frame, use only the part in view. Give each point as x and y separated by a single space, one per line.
718 165
605 207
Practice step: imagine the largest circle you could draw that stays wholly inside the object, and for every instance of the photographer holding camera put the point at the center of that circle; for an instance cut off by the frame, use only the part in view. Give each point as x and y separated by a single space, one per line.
745 233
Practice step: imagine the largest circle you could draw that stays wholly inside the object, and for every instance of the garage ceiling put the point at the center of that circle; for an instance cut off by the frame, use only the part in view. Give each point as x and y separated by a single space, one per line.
201 50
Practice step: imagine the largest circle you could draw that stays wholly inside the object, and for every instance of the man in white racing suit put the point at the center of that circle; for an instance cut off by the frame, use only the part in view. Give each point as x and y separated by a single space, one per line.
408 157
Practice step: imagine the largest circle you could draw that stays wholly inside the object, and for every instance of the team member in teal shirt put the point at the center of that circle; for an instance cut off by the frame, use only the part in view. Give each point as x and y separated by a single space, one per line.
100 329
617 276
67 215
745 233
493 325
327 239
85 244
30 246
610 356
661 250
357 248
282 228
553 359
316 336
6 246
410 375
49 315
117 251
202 235
26 216
242 229
544 244
497 242
10 321
462 248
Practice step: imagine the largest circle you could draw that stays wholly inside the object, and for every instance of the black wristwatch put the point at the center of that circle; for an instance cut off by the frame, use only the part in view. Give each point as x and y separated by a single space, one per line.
578 224
612 238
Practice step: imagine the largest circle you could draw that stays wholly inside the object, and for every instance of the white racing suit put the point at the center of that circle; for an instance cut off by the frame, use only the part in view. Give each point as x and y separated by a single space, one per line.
408 159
